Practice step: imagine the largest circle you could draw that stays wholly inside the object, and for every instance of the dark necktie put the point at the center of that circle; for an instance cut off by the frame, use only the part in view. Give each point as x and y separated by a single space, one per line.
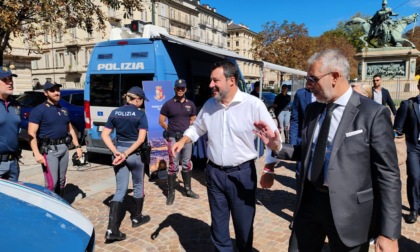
317 174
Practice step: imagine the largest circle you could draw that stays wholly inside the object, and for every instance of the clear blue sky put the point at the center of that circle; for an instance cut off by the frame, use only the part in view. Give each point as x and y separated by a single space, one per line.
317 15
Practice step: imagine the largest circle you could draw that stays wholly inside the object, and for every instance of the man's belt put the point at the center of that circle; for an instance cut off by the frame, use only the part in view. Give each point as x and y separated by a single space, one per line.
8 157
229 168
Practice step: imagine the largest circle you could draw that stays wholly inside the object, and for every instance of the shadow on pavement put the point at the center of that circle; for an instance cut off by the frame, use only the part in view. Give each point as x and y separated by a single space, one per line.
276 201
71 193
194 234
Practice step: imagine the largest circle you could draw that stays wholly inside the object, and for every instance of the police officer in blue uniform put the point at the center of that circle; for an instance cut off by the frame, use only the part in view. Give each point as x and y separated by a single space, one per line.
180 114
9 127
49 132
130 124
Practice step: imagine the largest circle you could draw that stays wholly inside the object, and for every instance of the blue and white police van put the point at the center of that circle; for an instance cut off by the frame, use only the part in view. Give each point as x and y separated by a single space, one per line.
128 59
35 219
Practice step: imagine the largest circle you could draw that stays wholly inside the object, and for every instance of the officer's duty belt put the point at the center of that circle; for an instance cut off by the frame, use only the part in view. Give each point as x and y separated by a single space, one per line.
57 141
8 157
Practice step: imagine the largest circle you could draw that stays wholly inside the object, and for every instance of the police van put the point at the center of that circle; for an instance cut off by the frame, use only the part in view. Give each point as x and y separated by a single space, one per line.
129 58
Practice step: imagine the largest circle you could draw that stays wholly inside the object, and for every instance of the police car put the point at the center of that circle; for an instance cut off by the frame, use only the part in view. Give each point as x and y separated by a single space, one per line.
35 219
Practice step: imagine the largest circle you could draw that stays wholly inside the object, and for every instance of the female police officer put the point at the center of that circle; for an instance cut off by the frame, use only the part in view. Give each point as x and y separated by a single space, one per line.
131 125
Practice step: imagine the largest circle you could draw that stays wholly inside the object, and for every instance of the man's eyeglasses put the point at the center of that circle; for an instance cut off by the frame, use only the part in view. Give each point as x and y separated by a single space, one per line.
180 88
315 79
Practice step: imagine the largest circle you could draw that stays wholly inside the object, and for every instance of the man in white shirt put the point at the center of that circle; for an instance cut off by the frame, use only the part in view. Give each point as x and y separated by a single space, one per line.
228 118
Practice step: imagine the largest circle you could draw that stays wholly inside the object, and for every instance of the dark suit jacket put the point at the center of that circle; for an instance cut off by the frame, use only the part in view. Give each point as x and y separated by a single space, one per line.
363 175
302 98
407 121
386 99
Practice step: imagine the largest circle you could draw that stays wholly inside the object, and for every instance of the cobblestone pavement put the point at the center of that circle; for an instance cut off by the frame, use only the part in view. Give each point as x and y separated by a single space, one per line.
185 226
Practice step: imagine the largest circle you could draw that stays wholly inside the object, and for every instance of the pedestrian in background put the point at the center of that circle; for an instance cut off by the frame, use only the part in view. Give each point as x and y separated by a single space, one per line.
256 91
176 115
381 95
282 108
407 122
49 133
228 118
130 124
349 188
9 127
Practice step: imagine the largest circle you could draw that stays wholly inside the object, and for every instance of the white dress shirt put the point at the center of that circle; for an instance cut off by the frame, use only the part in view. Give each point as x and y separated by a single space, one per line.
230 128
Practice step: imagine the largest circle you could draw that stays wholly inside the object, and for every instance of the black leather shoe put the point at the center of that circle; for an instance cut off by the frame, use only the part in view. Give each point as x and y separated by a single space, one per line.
412 217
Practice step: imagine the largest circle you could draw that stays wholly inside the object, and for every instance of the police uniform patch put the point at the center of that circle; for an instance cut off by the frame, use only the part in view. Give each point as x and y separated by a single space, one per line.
64 112
188 108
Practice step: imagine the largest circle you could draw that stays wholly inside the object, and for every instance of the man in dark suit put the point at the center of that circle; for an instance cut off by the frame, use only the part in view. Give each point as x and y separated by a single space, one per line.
381 95
302 98
407 121
349 189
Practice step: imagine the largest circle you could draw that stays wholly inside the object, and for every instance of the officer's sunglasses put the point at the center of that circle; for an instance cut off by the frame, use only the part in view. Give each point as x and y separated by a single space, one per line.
315 79
6 79
180 88
54 89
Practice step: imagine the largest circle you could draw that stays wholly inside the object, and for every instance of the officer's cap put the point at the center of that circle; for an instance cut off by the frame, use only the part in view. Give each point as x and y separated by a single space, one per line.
48 85
138 91
180 83
6 72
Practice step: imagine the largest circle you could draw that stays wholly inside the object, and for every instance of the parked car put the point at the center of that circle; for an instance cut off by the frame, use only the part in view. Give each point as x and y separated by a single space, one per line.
268 99
72 99
35 219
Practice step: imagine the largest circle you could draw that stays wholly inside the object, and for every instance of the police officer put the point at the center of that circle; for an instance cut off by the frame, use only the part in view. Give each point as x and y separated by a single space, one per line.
180 113
130 124
9 127
49 133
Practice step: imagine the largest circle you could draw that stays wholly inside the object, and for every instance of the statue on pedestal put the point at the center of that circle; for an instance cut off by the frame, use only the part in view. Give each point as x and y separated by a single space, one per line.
382 27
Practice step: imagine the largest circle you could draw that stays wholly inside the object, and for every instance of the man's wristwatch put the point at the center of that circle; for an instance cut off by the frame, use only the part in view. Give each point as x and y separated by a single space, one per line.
79 146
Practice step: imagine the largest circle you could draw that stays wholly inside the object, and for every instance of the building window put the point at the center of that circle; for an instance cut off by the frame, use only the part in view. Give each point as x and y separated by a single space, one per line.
237 34
237 43
47 60
62 81
228 44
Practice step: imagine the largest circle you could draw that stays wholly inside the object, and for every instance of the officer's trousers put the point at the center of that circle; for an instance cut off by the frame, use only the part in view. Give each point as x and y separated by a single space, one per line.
134 165
57 160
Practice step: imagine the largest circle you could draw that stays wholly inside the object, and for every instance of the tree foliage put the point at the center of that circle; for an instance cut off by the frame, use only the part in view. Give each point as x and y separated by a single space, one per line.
284 44
33 18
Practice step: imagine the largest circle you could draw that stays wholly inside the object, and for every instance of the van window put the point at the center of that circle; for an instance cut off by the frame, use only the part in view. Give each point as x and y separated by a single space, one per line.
107 89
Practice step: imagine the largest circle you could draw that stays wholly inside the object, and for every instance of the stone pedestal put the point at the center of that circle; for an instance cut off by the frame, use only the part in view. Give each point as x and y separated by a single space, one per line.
390 62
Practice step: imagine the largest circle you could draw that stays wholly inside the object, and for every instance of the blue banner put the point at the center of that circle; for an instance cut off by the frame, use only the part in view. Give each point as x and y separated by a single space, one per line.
158 92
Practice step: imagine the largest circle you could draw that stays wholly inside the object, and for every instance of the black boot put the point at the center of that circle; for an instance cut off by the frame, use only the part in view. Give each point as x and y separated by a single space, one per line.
171 189
186 176
113 231
138 219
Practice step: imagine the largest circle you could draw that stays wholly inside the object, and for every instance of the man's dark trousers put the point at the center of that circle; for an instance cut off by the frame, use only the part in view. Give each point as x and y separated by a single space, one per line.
232 191
413 178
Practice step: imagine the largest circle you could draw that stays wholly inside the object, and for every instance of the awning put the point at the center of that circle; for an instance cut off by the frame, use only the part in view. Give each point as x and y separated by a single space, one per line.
209 49
229 54
283 69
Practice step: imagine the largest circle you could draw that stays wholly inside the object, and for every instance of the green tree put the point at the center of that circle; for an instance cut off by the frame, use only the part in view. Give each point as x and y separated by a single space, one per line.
33 18
284 44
